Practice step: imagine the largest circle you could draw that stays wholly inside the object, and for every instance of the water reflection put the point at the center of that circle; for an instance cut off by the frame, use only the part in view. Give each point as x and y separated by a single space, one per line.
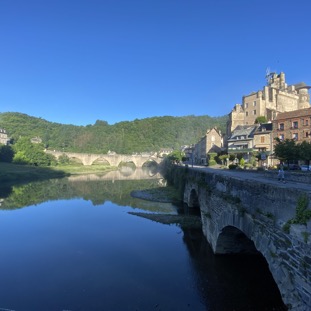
75 247
98 188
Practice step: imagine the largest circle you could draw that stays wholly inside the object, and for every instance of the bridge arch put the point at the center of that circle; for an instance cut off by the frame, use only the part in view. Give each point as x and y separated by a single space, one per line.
193 199
232 240
76 160
100 161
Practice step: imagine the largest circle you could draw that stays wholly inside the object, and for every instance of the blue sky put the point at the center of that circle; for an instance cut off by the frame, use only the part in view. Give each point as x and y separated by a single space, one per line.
78 61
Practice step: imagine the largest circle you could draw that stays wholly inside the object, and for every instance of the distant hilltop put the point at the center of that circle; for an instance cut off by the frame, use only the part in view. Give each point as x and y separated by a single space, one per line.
145 135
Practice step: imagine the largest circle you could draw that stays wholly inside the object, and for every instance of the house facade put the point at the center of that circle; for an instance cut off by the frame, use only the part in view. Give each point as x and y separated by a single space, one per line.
276 97
242 140
4 139
212 141
263 143
293 125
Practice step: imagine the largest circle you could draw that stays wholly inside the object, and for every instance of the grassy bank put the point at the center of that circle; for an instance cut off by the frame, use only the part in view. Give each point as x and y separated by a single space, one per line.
13 173
81 169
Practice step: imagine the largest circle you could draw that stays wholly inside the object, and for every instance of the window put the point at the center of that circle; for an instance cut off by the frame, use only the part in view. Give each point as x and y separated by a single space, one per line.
281 137
254 103
246 113
262 139
246 105
295 136
281 126
295 125
254 112
307 134
306 122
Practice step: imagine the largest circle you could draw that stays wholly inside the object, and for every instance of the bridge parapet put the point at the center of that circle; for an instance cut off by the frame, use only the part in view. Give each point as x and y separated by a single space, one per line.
231 206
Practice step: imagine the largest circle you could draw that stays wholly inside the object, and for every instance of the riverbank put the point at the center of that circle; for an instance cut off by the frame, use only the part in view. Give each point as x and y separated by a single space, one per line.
14 173
166 194
184 221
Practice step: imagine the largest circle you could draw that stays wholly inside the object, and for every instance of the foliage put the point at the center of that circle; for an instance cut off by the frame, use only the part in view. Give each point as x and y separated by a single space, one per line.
304 151
212 158
6 153
176 156
222 158
303 214
261 120
242 162
232 166
29 153
145 135
286 150
63 160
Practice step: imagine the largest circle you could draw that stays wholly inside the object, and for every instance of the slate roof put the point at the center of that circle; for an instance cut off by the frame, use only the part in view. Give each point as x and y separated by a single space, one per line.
243 130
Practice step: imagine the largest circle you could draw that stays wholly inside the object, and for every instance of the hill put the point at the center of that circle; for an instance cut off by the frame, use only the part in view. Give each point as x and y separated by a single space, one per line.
150 134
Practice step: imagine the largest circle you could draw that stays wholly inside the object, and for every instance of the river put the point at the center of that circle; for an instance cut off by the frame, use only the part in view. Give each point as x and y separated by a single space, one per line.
71 244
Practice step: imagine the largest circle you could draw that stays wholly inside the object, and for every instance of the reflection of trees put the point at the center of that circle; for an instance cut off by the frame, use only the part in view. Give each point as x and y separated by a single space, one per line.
96 191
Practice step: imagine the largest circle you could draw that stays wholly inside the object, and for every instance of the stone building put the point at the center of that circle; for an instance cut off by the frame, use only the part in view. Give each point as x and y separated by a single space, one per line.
212 141
263 143
293 125
242 140
275 97
4 139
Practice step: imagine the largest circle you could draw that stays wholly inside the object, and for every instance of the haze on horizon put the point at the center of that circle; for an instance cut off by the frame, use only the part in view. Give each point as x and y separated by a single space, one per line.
75 62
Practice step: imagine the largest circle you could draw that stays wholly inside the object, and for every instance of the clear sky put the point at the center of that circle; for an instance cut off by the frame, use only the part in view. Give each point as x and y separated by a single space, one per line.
78 61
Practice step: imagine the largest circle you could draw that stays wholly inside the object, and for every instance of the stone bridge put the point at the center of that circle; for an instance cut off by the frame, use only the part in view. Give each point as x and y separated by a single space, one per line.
241 214
110 159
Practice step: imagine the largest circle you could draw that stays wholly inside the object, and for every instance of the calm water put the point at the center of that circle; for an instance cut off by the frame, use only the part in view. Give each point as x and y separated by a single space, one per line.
71 245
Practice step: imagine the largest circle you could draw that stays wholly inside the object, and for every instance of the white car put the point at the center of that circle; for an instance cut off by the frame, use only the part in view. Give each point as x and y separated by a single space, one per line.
305 167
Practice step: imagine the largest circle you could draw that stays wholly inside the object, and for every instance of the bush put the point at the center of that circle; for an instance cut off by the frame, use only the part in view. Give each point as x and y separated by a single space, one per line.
242 162
232 166
212 162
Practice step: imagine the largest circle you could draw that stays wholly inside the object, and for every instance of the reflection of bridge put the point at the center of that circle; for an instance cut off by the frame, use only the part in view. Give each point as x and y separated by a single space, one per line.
122 174
111 159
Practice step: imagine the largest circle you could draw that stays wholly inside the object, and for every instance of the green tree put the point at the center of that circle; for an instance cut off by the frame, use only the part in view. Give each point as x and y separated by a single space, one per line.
286 150
242 162
176 156
304 151
32 154
261 119
6 153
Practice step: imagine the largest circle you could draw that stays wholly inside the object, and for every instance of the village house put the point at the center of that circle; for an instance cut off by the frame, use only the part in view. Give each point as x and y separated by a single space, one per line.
263 144
4 139
293 125
241 140
211 142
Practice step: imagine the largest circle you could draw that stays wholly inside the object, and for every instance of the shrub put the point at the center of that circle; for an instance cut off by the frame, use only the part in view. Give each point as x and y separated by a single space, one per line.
212 162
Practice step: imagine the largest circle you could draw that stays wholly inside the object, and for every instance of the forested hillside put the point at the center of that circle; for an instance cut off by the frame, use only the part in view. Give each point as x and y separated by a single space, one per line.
150 134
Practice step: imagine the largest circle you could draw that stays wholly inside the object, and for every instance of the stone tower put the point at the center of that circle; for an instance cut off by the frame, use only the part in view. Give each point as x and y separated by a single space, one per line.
275 97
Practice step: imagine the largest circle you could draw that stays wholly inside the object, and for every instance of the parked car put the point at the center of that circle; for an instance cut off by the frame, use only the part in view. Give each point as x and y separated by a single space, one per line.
294 167
305 167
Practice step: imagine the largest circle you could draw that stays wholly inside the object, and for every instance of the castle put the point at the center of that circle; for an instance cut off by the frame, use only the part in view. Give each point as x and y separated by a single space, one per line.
274 98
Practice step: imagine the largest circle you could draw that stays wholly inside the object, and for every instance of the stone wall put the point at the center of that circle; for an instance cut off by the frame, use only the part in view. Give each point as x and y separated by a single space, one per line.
259 211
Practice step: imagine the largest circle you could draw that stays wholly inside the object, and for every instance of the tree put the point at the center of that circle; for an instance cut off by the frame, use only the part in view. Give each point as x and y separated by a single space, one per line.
176 156
6 153
261 119
32 154
286 150
304 151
